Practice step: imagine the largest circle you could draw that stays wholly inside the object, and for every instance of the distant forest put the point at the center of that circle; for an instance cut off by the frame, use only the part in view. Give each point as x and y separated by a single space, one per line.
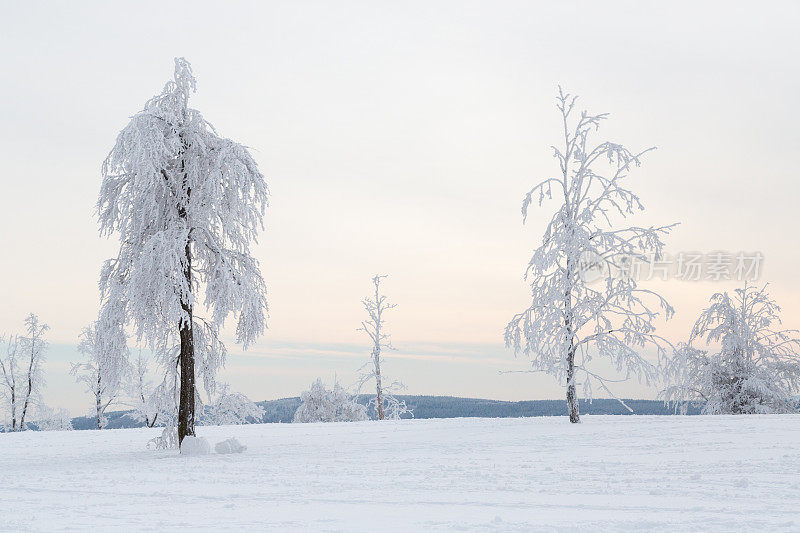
282 410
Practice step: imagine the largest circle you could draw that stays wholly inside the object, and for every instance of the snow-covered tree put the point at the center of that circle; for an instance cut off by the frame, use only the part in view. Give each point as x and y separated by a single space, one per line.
230 408
103 371
753 367
49 419
319 404
186 204
384 402
12 382
141 394
33 347
573 317
21 367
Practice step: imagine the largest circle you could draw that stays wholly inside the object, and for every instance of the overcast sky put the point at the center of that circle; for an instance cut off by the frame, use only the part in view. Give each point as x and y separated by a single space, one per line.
400 138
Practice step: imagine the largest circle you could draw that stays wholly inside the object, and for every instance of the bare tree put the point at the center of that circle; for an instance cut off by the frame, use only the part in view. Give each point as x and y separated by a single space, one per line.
33 348
187 204
103 371
756 368
384 402
21 368
9 365
570 311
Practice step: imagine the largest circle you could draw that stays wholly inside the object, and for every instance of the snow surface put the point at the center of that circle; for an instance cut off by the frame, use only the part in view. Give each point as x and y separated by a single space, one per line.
629 473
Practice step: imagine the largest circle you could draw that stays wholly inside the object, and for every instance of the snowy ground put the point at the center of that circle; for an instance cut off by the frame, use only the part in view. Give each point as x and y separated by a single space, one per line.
540 474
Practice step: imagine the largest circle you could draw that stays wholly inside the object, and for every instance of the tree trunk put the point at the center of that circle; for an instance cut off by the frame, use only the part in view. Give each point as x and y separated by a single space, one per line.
186 403
22 415
97 404
572 398
30 385
99 416
13 409
186 406
378 386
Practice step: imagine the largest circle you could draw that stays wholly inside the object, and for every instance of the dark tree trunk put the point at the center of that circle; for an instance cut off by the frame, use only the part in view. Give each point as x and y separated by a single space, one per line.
186 406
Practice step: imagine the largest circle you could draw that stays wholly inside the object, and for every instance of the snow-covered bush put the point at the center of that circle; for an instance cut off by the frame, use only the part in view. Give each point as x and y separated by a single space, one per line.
230 408
319 404
754 367
49 419
393 408
168 439
165 400
574 317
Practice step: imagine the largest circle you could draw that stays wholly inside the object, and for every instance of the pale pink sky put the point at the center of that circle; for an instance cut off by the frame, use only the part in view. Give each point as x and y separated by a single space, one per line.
400 138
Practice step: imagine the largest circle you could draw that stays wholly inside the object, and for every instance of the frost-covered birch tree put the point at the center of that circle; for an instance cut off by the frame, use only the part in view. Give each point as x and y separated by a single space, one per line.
33 346
11 384
186 204
753 367
21 368
103 371
573 317
384 402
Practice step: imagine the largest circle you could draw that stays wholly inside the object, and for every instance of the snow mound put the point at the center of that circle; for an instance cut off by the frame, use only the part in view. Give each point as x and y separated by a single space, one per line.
195 446
230 445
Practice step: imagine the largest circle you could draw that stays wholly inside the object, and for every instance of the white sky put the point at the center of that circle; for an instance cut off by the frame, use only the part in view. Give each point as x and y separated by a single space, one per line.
399 137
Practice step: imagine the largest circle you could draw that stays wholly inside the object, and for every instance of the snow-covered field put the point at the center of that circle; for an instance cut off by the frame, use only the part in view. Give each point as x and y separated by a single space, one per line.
541 474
